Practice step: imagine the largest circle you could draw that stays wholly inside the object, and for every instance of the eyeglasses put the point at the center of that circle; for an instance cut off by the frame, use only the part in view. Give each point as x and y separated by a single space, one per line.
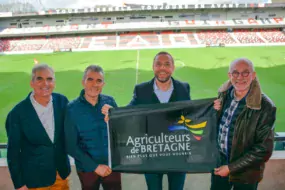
236 74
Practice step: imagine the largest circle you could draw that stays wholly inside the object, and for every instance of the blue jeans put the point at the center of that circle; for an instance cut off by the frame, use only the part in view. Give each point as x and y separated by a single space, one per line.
175 181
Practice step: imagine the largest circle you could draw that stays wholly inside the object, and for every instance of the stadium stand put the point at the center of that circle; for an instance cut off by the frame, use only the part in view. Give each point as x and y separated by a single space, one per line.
272 35
143 39
142 29
247 37
215 37
62 43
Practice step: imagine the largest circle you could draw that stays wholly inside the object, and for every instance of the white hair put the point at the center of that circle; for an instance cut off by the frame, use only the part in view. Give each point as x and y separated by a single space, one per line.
244 60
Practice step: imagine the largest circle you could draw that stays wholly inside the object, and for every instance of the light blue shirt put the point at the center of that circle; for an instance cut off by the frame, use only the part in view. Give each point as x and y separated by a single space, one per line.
163 96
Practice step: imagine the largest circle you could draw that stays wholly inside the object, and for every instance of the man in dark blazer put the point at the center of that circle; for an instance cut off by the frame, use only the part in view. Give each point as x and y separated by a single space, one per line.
36 155
162 89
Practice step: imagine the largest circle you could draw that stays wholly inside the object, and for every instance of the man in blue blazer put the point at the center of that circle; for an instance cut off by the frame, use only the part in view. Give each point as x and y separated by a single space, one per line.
162 89
36 155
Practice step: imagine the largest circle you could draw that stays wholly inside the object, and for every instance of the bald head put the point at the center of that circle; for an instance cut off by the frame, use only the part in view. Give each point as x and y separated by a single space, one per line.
241 60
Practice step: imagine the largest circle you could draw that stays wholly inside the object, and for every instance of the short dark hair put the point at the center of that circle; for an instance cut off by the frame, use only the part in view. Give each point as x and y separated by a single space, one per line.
93 68
163 53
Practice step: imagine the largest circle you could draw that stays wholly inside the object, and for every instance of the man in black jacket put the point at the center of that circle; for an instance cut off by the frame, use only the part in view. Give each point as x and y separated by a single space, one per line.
245 129
162 89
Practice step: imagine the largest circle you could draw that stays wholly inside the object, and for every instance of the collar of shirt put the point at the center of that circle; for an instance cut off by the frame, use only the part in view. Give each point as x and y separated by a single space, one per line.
233 96
155 87
34 102
83 99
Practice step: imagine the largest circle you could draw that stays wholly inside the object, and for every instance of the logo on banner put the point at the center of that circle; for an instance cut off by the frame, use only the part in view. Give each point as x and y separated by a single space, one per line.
184 124
166 144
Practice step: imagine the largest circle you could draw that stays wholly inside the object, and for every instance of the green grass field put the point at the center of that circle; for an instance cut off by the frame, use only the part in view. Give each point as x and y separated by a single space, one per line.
205 69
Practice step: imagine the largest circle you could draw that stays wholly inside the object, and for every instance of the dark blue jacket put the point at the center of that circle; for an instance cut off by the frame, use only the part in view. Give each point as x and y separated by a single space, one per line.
144 93
32 157
86 132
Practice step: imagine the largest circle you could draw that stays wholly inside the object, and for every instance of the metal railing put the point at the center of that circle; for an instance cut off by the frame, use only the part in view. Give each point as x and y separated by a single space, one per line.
279 138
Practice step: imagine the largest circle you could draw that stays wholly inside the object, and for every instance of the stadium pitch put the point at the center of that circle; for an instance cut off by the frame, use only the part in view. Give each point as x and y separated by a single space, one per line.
205 69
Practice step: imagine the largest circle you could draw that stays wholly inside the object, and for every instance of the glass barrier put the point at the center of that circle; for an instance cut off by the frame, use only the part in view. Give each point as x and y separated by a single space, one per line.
279 144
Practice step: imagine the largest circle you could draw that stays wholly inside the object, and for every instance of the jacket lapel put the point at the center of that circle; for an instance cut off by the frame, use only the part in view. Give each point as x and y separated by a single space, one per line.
154 98
56 114
173 96
35 123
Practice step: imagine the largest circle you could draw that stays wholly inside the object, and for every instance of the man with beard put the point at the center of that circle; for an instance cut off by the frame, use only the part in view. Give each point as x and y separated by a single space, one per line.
86 133
163 88
246 129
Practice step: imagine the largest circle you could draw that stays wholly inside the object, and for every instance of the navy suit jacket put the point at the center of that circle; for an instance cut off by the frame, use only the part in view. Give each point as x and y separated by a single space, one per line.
33 159
144 93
